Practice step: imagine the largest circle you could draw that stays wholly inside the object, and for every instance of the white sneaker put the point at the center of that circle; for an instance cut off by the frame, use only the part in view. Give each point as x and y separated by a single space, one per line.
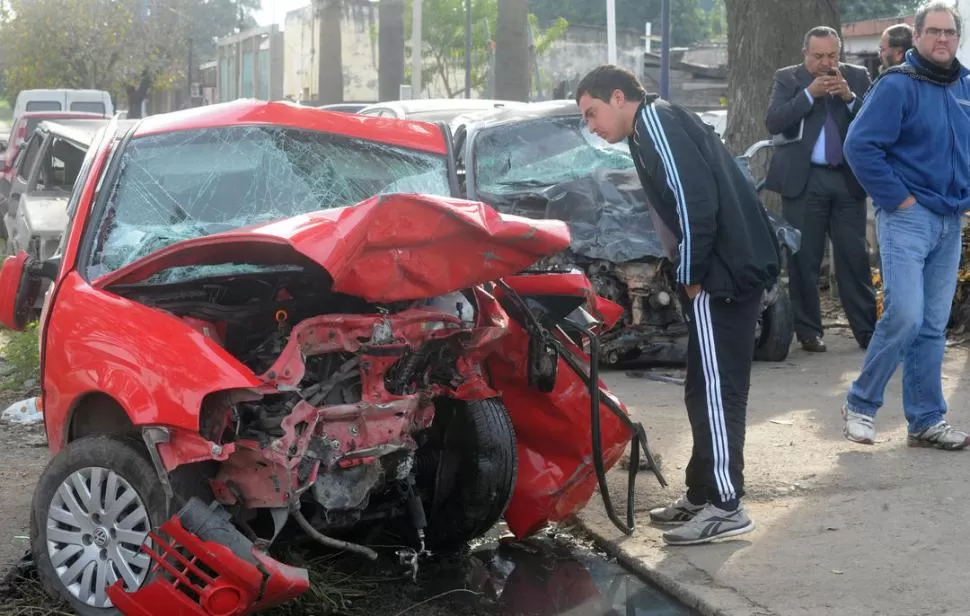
678 512
858 428
709 524
941 435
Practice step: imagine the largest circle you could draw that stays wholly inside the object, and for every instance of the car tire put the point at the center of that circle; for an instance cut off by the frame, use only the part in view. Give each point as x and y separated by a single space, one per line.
75 520
479 448
777 329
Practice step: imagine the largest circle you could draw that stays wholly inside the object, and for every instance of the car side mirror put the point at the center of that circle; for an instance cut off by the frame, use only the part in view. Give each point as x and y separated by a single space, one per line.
50 268
19 289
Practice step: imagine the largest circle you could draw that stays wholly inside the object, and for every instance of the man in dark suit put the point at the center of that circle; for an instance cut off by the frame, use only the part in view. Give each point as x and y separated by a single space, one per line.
819 192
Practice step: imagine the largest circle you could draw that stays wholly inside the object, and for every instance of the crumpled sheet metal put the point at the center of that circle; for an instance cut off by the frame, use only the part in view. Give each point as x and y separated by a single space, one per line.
606 211
386 248
556 477
607 214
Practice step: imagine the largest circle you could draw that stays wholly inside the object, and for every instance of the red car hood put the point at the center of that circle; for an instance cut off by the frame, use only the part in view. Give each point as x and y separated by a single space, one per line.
387 248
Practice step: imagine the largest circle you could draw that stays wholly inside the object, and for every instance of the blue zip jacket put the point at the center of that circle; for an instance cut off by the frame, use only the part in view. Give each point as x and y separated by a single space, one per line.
912 137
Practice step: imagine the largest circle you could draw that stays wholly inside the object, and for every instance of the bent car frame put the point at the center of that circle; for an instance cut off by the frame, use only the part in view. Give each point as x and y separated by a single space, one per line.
261 314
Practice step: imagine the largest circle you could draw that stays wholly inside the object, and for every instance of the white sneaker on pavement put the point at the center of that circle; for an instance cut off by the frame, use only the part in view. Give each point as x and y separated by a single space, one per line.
858 428
709 524
941 435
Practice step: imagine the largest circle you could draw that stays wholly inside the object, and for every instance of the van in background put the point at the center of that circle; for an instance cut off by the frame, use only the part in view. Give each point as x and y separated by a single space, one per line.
87 101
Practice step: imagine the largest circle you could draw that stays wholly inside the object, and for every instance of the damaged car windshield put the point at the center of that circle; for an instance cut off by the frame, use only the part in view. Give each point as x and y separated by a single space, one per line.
540 153
178 186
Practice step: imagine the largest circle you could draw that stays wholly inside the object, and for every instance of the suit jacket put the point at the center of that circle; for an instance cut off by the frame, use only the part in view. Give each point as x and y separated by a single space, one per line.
791 163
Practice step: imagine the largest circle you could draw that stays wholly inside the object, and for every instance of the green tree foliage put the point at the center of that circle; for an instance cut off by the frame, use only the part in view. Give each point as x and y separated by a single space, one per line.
857 10
443 38
125 46
689 22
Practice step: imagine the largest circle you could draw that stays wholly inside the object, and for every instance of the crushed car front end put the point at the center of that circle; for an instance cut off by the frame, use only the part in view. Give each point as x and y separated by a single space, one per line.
262 315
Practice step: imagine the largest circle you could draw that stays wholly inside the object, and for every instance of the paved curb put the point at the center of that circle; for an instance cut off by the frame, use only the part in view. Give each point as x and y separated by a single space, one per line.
677 577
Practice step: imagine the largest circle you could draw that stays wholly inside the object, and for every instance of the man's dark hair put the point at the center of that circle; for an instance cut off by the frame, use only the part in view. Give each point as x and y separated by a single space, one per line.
933 7
900 35
603 80
821 32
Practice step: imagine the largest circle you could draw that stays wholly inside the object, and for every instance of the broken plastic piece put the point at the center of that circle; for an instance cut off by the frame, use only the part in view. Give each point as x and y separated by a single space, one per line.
204 566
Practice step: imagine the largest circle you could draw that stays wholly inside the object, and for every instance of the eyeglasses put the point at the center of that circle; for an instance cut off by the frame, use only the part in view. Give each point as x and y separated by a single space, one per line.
936 32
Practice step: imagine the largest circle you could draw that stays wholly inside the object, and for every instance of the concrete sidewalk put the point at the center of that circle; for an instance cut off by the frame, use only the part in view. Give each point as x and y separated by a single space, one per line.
842 528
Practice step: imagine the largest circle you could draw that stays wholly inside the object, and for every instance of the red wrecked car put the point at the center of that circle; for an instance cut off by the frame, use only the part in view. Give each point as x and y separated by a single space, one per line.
261 315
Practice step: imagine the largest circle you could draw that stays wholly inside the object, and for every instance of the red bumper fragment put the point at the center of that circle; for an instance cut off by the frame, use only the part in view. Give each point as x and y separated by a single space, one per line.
203 566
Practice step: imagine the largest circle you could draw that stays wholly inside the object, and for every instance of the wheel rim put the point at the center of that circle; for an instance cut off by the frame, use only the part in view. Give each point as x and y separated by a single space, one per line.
96 525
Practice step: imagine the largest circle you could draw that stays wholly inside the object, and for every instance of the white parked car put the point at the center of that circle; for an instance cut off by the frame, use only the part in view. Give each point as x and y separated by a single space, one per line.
434 109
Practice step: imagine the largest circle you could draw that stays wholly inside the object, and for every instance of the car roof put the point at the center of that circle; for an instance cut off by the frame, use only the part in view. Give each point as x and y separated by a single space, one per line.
418 105
251 112
531 111
60 114
81 131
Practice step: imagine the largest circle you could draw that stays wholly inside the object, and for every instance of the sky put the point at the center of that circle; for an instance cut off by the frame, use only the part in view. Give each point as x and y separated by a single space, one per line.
274 11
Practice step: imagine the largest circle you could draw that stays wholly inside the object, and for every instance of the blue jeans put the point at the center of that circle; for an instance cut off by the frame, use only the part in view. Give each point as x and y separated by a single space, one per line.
920 258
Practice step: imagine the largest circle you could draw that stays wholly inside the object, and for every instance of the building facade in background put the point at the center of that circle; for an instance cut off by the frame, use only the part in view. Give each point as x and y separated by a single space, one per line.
580 49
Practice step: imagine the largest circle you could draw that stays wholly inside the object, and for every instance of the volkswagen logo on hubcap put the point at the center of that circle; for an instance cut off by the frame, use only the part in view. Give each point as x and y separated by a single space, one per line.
100 537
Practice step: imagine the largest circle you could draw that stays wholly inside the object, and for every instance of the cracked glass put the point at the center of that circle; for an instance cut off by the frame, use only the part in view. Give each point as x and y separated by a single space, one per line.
178 186
542 153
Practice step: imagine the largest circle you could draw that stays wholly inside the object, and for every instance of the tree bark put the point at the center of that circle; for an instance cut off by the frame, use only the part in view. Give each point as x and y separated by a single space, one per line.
137 94
512 63
390 34
330 75
763 36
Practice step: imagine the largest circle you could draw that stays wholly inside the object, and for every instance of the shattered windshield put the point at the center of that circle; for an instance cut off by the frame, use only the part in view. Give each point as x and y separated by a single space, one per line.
178 186
528 155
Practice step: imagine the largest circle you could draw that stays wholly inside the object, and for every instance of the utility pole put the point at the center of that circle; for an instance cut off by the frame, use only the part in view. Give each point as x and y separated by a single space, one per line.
665 49
188 101
611 30
468 48
416 45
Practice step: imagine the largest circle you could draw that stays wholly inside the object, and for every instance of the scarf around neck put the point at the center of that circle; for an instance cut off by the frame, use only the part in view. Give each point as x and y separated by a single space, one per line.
924 70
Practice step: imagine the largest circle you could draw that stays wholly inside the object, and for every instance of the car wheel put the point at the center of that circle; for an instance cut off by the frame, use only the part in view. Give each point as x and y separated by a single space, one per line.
777 329
473 472
93 508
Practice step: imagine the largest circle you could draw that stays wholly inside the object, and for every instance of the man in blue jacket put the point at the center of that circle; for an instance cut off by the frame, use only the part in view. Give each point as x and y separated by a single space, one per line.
909 147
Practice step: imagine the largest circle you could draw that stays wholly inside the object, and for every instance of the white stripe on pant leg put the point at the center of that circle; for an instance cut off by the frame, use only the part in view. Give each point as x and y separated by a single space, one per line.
655 128
701 324
718 440
701 319
715 406
719 417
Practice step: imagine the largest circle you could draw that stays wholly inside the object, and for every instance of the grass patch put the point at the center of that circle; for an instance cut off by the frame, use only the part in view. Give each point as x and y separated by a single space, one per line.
6 111
332 591
20 355
340 585
23 594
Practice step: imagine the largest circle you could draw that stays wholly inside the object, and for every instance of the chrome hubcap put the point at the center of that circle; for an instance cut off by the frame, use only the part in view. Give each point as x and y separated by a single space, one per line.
96 525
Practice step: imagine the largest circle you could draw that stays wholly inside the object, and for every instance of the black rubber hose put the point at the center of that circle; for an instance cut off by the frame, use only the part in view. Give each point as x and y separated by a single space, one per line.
634 427
330 542
638 434
594 411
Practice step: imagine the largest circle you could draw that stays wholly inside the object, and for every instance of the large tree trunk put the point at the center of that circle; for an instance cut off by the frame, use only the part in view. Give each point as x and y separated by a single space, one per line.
763 36
137 94
330 76
512 51
390 33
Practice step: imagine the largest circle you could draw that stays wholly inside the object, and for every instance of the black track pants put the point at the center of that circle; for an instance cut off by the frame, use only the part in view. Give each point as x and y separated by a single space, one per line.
720 347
